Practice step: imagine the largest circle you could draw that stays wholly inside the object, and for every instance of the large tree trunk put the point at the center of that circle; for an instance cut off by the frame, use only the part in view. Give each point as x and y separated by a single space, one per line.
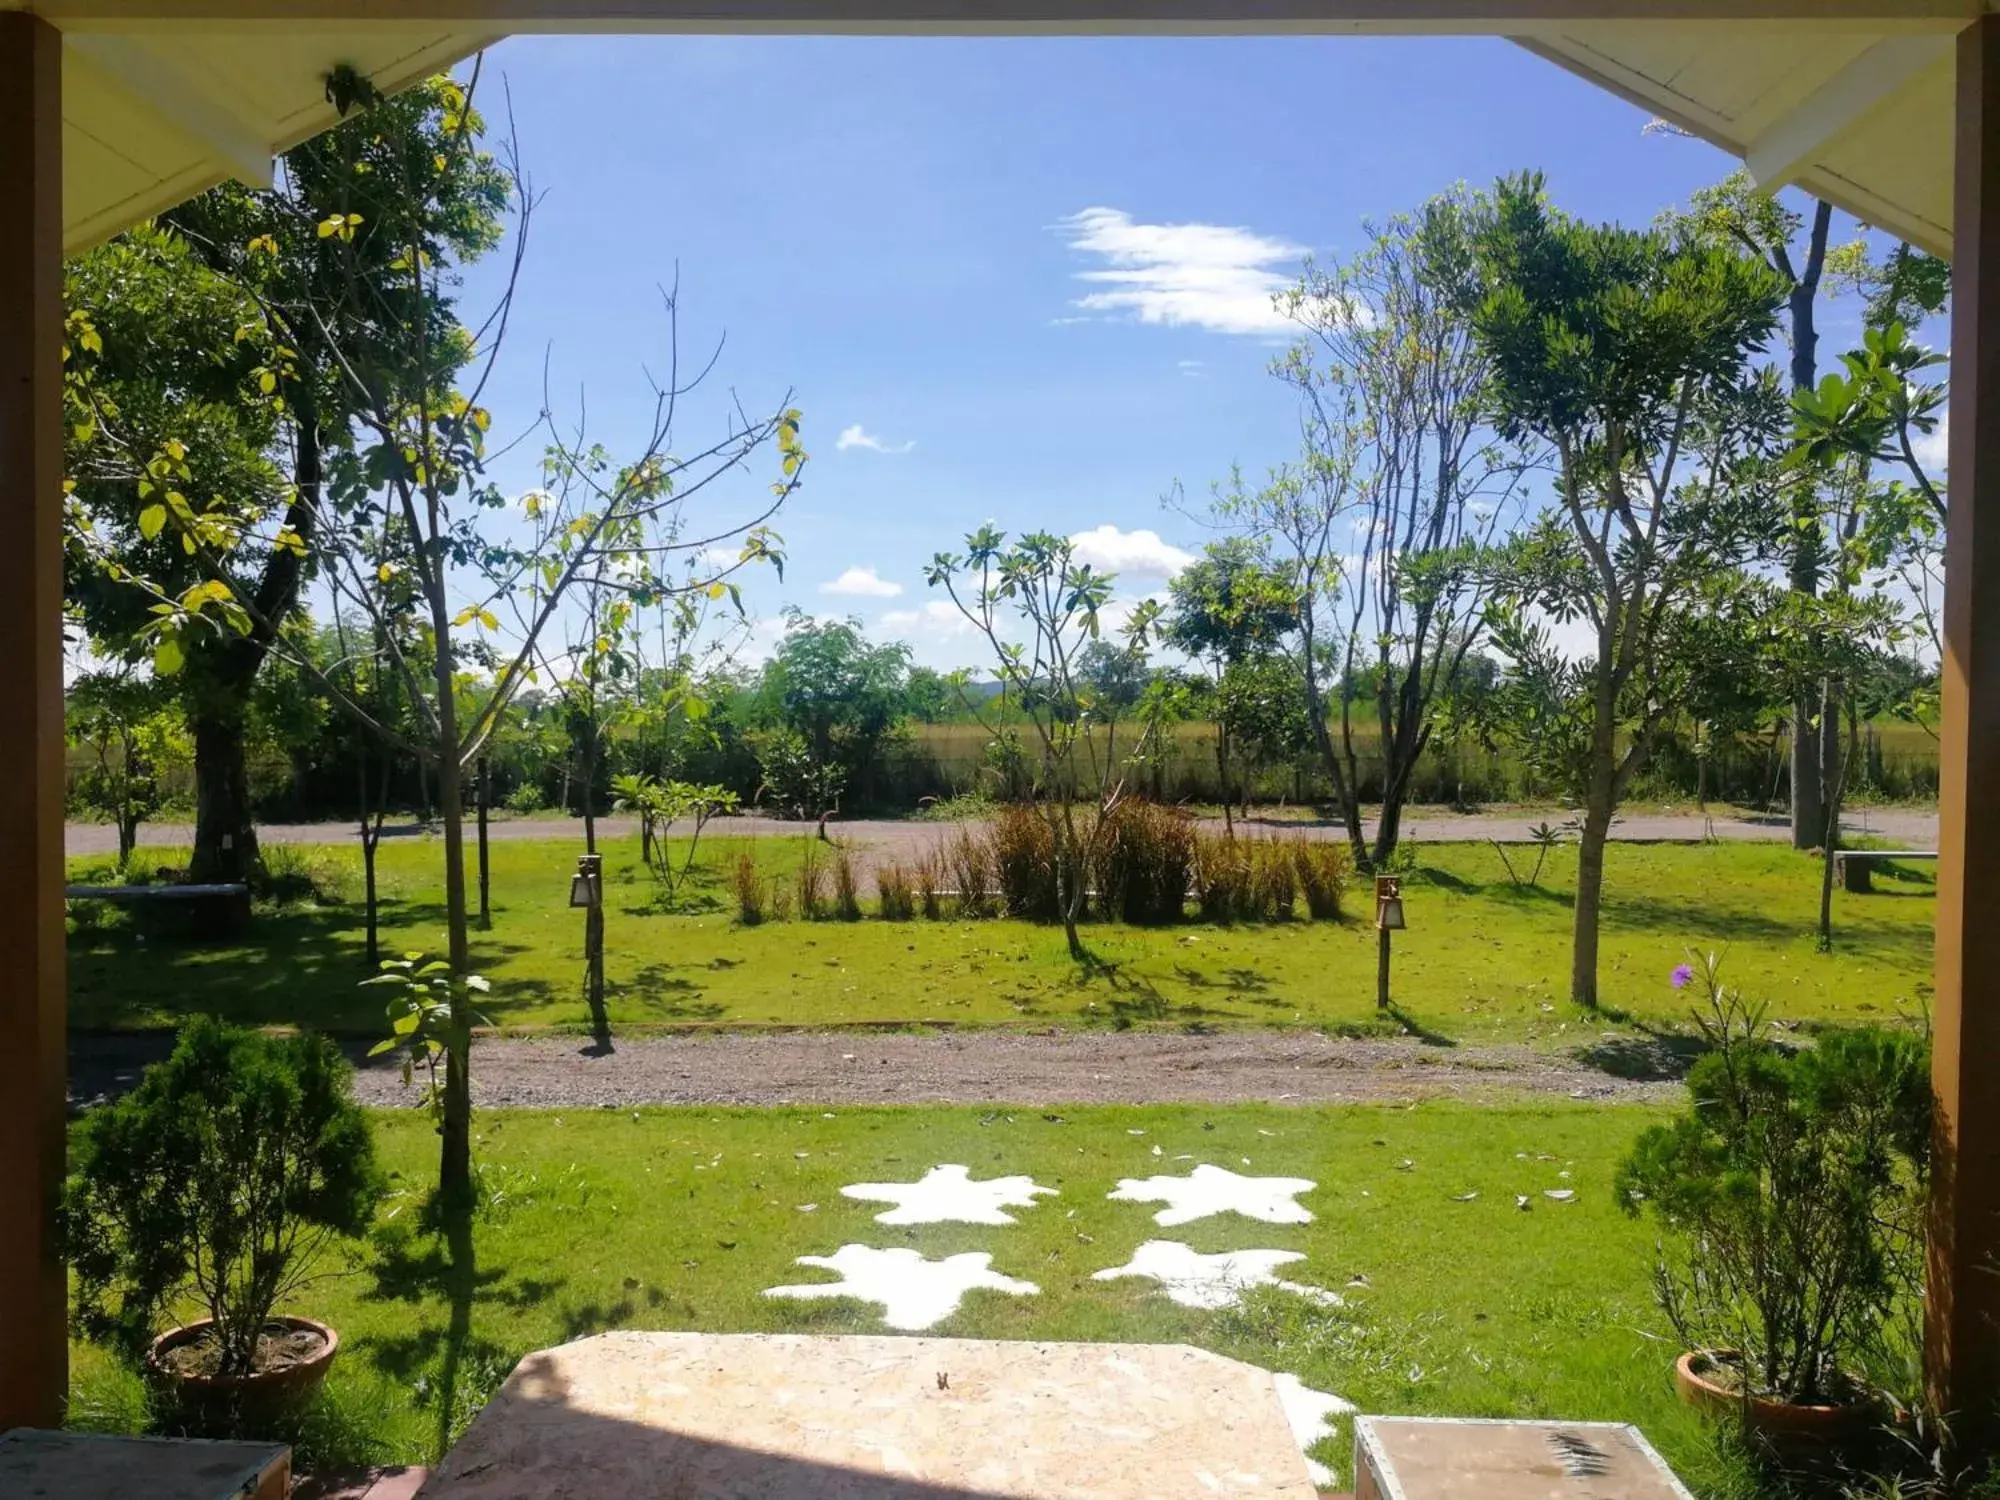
220 677
225 838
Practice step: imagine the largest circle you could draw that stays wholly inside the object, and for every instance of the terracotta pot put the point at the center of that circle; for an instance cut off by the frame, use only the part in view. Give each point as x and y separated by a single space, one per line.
1784 1424
227 1403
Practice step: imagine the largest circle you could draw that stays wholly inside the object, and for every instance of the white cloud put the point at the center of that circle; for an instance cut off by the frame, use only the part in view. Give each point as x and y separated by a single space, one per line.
862 583
1191 368
857 436
1933 448
932 620
1208 276
1130 554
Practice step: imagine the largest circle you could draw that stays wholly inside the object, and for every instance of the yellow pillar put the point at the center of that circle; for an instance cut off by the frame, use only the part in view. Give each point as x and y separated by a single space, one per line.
1962 1350
34 1357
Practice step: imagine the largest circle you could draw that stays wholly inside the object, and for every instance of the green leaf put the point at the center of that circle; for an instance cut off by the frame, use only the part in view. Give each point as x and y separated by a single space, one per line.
151 519
167 656
387 1044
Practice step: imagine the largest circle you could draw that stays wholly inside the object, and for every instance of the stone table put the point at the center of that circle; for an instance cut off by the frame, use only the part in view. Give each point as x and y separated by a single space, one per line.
683 1416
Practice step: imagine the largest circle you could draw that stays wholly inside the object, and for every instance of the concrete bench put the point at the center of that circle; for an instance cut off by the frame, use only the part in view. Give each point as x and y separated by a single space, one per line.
217 910
1855 865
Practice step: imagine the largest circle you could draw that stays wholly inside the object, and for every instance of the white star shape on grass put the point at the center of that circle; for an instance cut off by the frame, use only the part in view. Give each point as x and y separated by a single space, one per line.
948 1195
1217 1190
1311 1414
914 1293
1210 1282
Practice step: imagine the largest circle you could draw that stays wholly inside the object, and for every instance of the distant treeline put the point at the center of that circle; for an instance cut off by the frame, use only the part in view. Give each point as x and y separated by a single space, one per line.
920 763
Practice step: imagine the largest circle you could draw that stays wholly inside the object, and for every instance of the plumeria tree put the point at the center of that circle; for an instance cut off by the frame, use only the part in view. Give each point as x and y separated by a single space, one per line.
1038 609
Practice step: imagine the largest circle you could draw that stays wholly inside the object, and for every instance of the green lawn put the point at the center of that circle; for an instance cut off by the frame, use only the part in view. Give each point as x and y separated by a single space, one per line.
1483 959
677 1219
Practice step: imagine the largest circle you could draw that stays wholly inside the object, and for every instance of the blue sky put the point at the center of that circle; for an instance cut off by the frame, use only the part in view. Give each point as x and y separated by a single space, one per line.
902 233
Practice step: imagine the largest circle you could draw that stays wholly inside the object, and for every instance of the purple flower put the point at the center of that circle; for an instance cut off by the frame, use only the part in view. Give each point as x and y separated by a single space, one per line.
1683 976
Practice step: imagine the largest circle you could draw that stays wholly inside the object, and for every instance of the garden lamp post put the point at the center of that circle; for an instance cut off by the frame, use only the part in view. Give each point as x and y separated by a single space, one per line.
1388 919
586 892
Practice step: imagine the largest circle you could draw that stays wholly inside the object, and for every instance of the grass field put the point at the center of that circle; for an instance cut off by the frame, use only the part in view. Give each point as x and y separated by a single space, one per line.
1483 959
1470 1308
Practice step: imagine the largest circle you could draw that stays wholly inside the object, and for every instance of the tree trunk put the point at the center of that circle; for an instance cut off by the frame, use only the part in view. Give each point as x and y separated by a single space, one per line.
485 868
128 838
1589 895
1808 799
455 1129
225 839
1222 778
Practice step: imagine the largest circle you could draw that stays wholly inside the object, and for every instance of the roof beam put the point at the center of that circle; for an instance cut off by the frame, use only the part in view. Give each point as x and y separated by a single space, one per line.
1791 144
184 104
1004 17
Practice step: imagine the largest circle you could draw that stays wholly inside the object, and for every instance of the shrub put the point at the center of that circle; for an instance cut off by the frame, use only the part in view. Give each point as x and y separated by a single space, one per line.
525 798
897 891
220 1177
305 875
1145 860
1225 879
1790 1192
930 882
811 884
1321 866
969 856
1024 863
750 904
846 887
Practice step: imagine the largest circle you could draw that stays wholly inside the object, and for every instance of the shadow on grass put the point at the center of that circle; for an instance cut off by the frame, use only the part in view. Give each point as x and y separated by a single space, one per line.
450 1370
297 966
1416 1028
670 996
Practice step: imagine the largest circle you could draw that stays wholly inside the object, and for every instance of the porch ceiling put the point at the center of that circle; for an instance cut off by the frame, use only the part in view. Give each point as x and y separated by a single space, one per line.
1851 99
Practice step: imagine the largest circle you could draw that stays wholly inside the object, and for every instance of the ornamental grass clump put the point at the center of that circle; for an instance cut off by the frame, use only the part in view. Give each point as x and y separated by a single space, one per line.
217 1183
1145 859
1024 863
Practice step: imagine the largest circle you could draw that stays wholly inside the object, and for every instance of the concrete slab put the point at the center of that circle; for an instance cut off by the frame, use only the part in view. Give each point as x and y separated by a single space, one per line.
38 1465
1445 1458
680 1416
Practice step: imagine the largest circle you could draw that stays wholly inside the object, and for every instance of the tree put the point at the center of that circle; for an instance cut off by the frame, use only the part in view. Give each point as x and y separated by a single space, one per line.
257 299
1229 610
1763 227
1399 490
1624 351
834 697
401 532
130 725
1036 587
1905 284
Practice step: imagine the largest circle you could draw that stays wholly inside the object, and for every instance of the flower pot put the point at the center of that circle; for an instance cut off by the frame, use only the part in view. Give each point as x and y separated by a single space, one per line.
229 1403
1703 1383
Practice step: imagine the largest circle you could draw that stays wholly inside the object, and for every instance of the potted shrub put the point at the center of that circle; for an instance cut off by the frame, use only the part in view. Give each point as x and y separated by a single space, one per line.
215 1185
1789 1196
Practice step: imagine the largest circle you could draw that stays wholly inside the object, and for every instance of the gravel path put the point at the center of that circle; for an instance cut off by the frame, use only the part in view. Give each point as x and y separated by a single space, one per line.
888 839
974 1067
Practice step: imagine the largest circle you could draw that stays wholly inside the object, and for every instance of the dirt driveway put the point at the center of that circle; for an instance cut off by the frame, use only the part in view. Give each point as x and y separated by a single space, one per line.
974 1067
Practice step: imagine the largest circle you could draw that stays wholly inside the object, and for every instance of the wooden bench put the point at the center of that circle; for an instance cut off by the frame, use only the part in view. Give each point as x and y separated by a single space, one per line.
1855 865
215 910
